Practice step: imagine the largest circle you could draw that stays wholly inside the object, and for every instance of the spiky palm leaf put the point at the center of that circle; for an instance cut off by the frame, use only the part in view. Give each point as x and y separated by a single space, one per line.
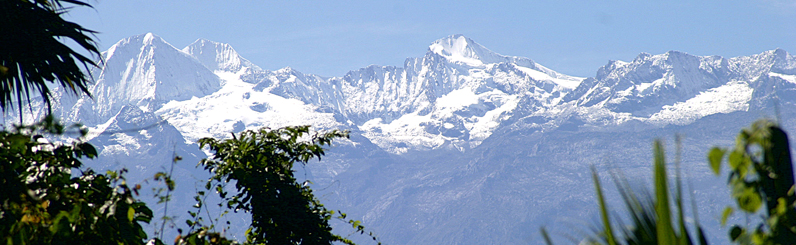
34 55
652 219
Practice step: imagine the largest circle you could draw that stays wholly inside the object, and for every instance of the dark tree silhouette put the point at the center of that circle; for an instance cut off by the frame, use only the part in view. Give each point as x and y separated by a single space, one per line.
34 55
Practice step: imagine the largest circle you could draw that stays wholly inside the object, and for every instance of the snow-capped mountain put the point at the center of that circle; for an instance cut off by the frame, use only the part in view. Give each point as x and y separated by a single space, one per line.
460 146
452 97
147 72
135 139
677 88
218 56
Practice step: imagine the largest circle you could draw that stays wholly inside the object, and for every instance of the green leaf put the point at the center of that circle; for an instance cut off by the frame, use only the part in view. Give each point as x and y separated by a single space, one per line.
130 214
545 236
170 183
714 157
41 56
88 150
701 236
738 162
749 199
782 206
664 227
259 163
726 214
609 233
735 233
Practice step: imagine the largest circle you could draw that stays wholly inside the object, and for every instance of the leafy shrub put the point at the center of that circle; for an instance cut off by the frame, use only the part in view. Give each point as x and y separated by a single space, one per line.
48 198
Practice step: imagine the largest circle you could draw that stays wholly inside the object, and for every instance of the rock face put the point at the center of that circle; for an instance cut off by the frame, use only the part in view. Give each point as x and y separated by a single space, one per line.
460 146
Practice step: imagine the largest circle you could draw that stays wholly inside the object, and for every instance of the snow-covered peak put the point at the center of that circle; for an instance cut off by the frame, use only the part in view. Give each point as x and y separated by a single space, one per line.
150 68
672 58
678 88
754 66
458 48
774 55
786 63
218 56
286 70
137 42
151 37
642 56
144 71
454 96
642 87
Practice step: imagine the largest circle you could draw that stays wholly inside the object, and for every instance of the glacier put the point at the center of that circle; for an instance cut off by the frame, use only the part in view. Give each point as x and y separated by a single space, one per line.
460 146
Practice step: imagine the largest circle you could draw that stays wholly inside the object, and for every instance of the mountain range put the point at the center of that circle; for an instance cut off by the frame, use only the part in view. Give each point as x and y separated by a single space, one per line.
460 146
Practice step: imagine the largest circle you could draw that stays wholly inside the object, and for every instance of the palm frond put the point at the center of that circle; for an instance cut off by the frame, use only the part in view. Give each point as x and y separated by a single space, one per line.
34 56
652 219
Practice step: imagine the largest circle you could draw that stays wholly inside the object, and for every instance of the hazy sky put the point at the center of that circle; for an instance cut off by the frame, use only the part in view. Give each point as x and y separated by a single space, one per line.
329 38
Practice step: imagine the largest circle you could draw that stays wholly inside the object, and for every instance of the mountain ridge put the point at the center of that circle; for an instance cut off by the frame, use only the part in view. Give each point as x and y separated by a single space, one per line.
396 107
460 145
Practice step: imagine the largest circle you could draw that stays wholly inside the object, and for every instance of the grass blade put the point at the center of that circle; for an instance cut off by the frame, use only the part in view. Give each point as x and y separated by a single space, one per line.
684 238
664 227
545 236
609 233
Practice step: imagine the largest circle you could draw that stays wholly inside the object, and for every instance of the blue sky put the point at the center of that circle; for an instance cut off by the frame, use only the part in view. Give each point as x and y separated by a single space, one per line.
329 38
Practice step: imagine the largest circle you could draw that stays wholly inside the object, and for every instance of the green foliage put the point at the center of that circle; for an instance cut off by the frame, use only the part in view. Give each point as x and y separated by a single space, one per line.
33 54
46 197
665 231
609 233
651 220
761 175
44 202
261 162
203 236
761 181
164 198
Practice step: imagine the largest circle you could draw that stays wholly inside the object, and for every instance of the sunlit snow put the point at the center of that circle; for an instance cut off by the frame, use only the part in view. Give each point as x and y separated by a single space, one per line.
455 97
789 78
216 114
569 82
731 97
